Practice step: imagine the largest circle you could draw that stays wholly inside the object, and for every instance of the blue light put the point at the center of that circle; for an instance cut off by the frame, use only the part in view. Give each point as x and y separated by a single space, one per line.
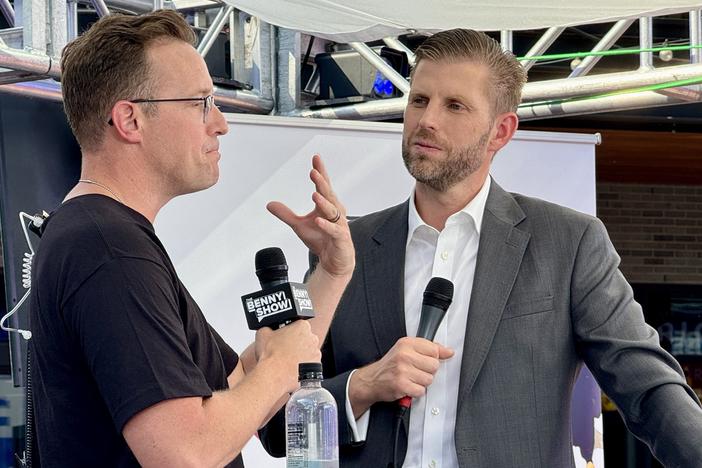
382 86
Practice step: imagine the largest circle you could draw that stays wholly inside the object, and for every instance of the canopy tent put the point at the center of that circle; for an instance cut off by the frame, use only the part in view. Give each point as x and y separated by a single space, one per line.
367 20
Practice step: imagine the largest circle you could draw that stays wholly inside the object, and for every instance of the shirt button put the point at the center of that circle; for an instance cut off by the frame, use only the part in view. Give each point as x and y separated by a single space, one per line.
435 411
444 255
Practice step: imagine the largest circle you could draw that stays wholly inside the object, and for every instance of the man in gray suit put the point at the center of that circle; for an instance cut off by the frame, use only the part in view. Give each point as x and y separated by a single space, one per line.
538 294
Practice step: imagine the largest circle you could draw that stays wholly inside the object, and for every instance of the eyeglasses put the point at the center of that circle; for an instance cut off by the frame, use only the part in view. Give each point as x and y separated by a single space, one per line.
207 104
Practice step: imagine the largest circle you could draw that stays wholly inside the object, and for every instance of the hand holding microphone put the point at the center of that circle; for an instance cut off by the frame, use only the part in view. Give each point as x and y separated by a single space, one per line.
409 367
277 304
438 296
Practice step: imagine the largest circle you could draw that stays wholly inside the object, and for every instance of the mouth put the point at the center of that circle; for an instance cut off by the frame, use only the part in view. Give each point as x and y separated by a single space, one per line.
426 145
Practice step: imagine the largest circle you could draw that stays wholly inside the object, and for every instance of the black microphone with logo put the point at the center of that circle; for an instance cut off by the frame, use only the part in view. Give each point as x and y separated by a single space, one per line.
279 302
438 296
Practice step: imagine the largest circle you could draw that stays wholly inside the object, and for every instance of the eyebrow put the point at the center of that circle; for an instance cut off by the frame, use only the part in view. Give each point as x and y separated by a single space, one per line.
458 97
203 92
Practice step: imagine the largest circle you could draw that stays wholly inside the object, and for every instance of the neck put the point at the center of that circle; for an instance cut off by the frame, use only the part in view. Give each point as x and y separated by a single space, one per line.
121 179
435 207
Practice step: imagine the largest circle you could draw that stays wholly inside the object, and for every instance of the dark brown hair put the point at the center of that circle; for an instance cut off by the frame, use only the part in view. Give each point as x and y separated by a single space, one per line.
108 63
507 76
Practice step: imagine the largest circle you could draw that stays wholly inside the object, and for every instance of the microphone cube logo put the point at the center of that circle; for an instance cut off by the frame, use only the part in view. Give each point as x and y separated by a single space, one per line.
269 304
280 304
302 297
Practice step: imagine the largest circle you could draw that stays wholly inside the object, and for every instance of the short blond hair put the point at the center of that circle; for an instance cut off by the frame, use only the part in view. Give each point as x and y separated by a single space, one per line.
108 63
507 76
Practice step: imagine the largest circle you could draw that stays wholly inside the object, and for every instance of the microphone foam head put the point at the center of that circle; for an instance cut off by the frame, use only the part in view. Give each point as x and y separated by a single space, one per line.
271 265
439 293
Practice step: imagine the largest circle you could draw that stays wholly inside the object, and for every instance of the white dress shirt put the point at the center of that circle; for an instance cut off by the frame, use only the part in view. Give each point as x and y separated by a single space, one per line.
450 254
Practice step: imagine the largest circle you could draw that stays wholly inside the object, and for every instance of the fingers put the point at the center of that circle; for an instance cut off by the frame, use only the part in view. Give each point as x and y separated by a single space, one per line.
282 212
327 204
444 352
320 177
318 165
428 348
326 209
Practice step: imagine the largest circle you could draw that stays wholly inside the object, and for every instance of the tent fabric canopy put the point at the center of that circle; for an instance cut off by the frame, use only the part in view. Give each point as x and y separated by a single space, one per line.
365 20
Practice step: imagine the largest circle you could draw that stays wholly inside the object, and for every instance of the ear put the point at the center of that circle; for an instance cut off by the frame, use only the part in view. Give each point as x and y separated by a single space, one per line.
126 121
504 127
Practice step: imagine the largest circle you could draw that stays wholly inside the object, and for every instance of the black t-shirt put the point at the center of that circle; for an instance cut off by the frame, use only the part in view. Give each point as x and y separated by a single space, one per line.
114 332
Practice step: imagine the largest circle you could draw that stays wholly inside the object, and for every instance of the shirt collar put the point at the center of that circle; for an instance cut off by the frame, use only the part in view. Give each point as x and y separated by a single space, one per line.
475 209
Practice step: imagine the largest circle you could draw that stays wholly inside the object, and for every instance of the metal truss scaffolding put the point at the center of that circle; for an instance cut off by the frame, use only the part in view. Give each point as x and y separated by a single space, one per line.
266 62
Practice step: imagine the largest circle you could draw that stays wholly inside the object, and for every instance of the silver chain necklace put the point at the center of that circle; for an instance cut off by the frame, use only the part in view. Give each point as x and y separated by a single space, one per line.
88 181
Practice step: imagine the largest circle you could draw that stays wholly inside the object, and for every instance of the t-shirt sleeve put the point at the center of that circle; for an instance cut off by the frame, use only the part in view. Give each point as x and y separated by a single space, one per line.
229 356
126 320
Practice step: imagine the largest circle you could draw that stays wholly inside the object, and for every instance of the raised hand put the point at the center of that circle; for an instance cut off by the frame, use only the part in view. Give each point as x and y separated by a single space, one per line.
324 230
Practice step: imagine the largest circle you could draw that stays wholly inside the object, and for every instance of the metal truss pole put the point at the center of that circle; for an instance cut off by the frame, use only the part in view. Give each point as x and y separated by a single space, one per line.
31 62
388 72
542 45
607 41
215 28
72 19
242 101
392 108
597 84
133 6
33 24
537 91
237 51
695 36
372 110
258 65
592 106
58 33
100 7
8 12
506 40
645 42
287 70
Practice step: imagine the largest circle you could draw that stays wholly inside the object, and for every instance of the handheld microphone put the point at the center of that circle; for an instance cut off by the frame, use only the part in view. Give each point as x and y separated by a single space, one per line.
279 302
438 296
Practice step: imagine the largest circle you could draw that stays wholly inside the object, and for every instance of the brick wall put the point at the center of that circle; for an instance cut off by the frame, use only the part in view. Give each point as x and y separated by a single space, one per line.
657 230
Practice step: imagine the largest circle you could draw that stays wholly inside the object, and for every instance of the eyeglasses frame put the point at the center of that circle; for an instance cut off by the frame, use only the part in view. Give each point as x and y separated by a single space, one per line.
207 104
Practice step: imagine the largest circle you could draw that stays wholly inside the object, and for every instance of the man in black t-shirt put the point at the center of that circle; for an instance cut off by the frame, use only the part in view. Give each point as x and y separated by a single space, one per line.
126 369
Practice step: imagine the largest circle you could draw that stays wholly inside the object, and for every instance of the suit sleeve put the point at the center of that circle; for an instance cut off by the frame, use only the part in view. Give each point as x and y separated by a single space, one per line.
624 354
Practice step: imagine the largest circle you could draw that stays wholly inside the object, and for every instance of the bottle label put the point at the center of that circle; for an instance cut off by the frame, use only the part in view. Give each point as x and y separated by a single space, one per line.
297 442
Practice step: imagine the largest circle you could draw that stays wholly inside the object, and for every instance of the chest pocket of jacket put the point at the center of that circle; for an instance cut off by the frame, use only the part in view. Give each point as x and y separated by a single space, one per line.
523 306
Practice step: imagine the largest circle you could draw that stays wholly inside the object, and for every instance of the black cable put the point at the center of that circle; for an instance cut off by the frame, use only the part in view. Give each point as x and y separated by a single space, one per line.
401 410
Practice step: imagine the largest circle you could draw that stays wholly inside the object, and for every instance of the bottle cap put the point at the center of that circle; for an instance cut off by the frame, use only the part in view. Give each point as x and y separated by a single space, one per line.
309 370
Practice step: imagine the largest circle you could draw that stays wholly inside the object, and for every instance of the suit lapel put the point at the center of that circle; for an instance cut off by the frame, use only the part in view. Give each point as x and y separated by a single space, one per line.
383 271
500 253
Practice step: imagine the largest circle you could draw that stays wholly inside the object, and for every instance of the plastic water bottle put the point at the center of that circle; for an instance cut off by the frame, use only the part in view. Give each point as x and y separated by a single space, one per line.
311 427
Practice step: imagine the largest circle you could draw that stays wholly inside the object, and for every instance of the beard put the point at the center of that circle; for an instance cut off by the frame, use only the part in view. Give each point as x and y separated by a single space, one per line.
444 174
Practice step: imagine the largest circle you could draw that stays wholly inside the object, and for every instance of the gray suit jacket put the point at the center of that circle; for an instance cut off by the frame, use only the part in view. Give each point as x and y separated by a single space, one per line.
547 297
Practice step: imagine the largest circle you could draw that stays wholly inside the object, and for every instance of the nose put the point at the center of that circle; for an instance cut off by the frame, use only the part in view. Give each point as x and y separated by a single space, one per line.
216 122
430 116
